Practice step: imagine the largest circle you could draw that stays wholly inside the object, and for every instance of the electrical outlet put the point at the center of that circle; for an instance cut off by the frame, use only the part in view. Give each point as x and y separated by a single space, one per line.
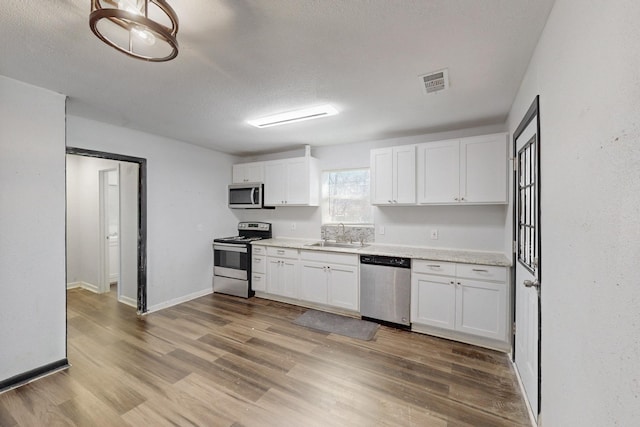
434 234
381 229
293 226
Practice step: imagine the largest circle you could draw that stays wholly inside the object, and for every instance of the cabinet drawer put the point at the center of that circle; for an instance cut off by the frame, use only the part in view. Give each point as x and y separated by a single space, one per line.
434 267
482 272
258 250
259 282
329 257
259 264
282 252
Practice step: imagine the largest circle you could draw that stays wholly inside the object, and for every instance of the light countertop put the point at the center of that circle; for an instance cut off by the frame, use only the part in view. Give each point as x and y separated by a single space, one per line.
415 252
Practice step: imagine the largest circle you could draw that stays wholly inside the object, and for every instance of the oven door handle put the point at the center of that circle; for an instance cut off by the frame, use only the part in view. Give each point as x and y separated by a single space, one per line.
230 247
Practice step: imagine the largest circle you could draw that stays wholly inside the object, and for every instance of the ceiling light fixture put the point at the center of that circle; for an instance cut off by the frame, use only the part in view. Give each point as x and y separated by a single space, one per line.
294 116
126 25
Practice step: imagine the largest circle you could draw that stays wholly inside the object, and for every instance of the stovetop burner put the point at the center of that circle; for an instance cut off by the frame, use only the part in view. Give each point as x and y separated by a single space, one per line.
249 232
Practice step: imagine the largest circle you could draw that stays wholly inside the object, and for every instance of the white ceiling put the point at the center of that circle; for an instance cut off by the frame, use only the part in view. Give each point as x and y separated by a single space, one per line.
242 59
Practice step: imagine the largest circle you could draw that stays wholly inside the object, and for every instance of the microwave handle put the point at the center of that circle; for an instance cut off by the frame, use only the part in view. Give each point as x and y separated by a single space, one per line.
253 196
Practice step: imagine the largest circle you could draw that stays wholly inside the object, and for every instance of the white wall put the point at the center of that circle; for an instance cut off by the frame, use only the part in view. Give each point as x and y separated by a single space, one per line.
462 227
186 205
586 70
32 186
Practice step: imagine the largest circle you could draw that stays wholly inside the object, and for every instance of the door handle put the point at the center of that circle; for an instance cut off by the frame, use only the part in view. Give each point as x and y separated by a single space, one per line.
531 284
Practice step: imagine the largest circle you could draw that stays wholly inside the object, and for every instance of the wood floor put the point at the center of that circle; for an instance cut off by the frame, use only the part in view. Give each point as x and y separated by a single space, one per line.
225 361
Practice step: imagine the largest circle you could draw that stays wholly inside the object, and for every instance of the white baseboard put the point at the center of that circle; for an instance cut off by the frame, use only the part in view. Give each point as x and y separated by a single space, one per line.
179 300
128 301
84 285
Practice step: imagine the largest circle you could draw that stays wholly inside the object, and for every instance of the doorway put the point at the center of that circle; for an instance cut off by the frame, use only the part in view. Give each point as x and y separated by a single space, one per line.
109 197
527 250
131 234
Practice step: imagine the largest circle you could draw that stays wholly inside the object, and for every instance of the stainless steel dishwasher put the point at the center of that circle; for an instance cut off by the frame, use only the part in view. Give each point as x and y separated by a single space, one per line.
385 289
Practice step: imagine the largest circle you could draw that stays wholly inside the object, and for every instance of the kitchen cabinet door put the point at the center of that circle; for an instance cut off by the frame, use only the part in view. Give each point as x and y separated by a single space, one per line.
433 300
344 290
275 180
483 175
313 283
259 282
404 174
248 172
393 175
282 277
439 172
289 277
382 176
481 308
297 182
291 182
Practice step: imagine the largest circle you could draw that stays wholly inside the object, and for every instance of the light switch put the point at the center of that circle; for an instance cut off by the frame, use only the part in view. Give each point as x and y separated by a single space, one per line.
381 229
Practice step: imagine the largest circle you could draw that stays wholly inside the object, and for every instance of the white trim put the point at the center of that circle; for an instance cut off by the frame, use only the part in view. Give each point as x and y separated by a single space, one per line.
128 301
179 300
84 285
532 417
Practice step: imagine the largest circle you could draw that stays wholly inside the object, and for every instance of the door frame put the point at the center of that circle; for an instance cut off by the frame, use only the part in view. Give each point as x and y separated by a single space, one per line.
532 112
142 214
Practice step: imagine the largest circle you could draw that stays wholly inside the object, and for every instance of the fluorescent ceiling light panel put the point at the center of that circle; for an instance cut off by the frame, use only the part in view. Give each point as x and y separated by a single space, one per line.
294 116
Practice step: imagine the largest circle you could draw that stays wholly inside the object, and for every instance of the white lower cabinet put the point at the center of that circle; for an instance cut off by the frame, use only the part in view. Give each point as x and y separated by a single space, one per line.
282 272
433 301
481 308
313 284
466 300
330 279
343 287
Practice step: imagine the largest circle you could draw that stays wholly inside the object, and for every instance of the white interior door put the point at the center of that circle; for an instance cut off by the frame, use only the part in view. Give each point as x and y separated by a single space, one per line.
527 269
128 284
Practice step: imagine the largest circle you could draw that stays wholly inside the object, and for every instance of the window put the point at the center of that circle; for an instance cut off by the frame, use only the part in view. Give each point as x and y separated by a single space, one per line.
345 197
528 206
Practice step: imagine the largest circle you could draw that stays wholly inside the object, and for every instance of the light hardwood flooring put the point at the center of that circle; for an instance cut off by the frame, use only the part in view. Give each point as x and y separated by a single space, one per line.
225 361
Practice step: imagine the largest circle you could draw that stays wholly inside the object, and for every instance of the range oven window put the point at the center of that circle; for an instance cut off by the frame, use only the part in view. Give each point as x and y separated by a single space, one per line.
229 258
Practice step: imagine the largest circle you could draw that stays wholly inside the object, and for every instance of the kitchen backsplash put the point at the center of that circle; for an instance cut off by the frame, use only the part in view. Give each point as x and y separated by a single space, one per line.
354 233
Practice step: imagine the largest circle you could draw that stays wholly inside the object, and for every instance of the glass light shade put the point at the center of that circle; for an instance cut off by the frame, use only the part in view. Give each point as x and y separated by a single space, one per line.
126 26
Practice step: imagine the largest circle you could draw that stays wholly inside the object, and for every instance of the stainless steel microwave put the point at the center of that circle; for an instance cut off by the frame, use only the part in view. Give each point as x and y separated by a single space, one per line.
246 195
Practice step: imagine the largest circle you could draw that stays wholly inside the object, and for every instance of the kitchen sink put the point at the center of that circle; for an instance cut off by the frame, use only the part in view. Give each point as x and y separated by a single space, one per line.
330 244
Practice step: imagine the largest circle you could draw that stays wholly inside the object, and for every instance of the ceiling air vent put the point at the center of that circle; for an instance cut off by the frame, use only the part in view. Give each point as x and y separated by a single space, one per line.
435 81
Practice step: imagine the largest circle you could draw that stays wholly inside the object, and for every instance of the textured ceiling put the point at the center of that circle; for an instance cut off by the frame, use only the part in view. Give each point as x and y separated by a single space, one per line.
242 59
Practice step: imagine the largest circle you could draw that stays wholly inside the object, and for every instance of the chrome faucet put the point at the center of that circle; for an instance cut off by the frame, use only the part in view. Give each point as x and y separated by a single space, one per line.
343 232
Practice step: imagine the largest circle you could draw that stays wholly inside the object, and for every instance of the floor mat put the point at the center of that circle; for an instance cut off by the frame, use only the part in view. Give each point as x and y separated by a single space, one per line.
336 324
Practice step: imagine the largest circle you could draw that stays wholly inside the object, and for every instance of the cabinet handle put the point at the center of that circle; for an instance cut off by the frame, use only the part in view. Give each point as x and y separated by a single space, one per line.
256 260
452 282
280 252
479 270
461 198
390 201
433 265
455 198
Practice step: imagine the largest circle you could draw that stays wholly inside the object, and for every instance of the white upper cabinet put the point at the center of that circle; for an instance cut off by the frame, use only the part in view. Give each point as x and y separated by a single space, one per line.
439 172
393 175
468 170
248 172
291 182
483 179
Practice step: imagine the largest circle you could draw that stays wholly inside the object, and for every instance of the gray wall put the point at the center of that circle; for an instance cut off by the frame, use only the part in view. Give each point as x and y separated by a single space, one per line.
32 266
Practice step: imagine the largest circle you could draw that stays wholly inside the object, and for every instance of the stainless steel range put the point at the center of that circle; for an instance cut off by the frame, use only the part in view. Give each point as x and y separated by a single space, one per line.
232 259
